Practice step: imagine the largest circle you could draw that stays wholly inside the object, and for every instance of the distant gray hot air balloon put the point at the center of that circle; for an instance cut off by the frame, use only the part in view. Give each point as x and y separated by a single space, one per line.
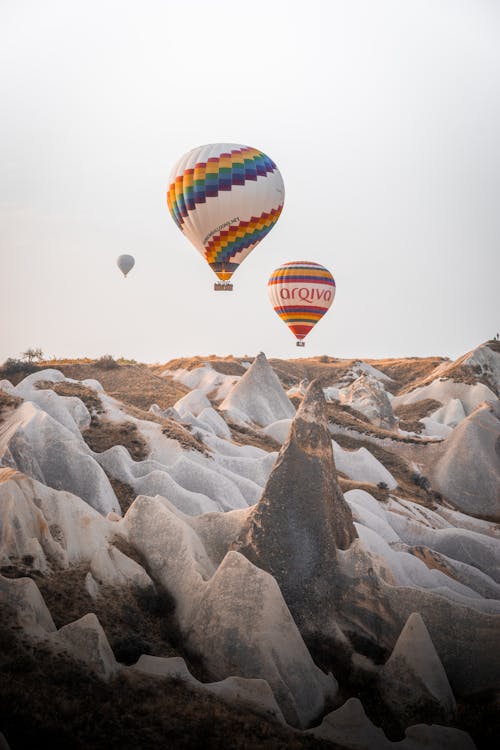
125 263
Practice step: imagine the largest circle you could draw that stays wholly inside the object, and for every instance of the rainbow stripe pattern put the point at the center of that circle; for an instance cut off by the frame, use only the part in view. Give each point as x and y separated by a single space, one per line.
218 173
225 198
222 247
301 292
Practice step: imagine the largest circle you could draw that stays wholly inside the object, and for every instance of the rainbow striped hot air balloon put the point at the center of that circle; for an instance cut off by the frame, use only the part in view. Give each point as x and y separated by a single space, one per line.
225 198
301 292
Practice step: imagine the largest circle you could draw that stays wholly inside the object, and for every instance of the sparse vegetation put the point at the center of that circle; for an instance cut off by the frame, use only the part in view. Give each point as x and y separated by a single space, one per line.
410 414
48 699
345 416
124 492
103 434
399 468
249 436
30 355
8 403
420 480
15 370
106 362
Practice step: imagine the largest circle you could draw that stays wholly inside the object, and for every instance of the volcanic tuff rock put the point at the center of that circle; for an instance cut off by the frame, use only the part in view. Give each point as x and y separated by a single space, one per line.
23 598
368 395
468 473
350 728
241 625
413 682
42 447
258 396
252 694
86 641
235 616
302 518
486 359
49 525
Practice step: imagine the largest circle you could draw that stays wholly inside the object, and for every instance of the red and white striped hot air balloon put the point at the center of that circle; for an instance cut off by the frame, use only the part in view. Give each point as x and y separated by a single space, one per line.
301 292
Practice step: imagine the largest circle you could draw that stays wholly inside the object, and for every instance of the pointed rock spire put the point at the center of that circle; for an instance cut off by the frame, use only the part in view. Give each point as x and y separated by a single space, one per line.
302 518
413 682
258 396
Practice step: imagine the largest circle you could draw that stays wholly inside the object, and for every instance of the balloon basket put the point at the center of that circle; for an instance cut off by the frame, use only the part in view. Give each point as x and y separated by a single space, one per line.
300 343
223 286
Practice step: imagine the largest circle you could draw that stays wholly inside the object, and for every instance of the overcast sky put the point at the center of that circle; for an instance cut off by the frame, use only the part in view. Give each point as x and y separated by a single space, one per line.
383 117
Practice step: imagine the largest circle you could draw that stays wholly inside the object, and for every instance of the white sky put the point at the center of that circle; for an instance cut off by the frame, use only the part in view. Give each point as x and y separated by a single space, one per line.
383 117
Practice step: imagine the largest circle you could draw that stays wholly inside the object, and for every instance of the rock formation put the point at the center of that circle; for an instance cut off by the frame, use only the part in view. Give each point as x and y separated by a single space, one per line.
301 520
368 395
468 473
258 396
413 683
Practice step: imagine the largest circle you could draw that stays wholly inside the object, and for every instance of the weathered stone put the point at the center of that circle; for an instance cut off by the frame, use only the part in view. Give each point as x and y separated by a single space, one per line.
468 473
241 625
302 518
86 641
368 395
413 682
258 396
23 598
253 694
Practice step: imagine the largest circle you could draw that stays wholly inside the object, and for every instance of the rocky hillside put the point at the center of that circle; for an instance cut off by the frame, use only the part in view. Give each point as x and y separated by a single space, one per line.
246 553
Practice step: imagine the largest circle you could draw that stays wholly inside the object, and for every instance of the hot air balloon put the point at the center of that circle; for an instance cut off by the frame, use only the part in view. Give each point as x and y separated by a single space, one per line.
225 198
125 263
301 293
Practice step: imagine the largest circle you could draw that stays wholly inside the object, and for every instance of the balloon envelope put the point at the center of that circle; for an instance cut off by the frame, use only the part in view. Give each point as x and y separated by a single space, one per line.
301 292
125 263
225 198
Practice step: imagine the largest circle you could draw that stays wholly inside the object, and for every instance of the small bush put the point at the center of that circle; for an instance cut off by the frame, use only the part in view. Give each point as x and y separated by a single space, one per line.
106 362
420 480
159 604
16 366
127 650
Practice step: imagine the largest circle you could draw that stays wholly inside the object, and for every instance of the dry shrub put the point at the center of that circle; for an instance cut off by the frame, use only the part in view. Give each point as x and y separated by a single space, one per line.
136 385
249 436
398 467
346 416
103 434
106 362
379 493
410 414
8 403
125 494
48 699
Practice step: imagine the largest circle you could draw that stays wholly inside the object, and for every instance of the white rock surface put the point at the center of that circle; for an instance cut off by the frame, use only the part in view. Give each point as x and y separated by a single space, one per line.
204 378
242 624
487 361
86 641
350 728
413 678
278 430
109 566
443 390
50 525
468 473
255 695
368 396
258 396
22 596
43 448
362 466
